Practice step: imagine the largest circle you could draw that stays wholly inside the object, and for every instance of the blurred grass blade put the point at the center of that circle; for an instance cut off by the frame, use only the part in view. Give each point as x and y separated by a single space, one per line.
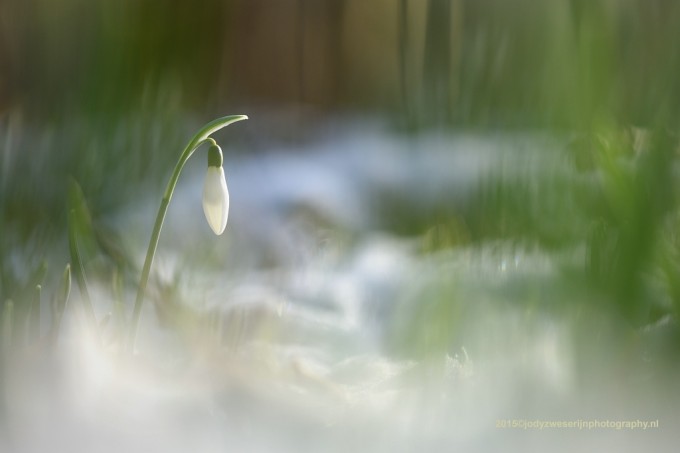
34 320
119 317
60 303
38 275
23 307
87 241
78 216
7 325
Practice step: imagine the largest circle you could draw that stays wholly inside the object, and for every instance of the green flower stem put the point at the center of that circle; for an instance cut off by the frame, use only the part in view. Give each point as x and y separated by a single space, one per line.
200 138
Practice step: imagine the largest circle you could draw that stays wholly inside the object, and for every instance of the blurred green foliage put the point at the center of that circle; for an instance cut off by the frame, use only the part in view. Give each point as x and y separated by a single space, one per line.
571 63
103 91
106 57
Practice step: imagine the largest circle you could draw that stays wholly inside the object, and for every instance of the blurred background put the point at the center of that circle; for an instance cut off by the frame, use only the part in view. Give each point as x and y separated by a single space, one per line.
467 167
123 78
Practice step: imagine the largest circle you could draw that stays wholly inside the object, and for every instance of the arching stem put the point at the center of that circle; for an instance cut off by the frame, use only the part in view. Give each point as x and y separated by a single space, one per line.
199 139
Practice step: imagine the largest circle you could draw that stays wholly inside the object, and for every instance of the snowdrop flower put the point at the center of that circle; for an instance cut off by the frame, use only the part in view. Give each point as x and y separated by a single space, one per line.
215 193
215 204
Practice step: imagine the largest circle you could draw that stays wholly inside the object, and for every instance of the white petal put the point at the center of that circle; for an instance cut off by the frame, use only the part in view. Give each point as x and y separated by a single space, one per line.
216 199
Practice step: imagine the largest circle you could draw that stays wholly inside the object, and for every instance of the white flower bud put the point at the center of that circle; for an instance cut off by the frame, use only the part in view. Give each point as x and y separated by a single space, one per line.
216 199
